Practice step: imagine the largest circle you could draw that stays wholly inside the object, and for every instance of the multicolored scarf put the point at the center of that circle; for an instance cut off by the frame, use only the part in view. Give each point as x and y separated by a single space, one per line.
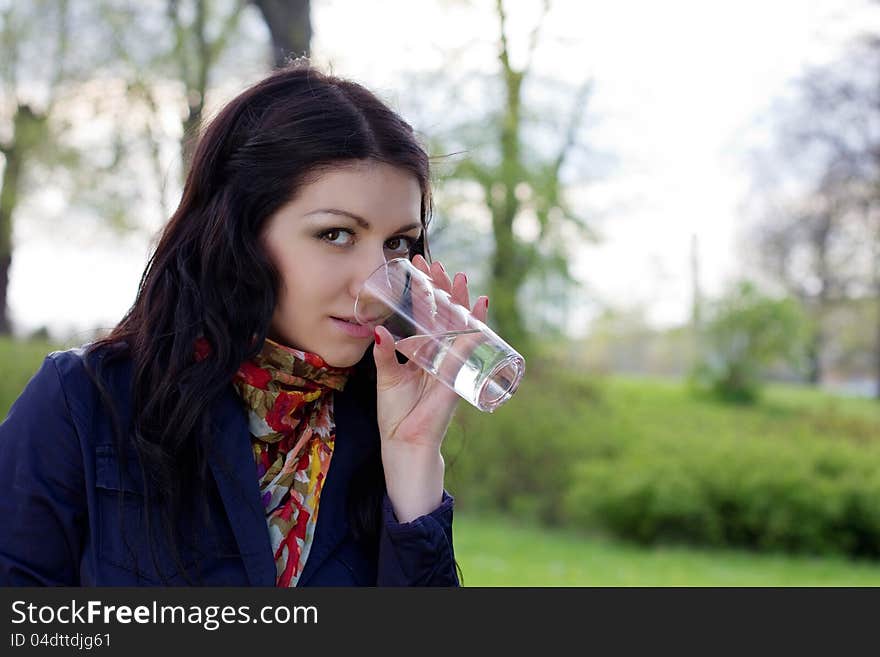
288 394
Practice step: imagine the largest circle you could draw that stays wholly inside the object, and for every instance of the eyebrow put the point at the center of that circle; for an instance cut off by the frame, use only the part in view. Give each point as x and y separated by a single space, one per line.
363 223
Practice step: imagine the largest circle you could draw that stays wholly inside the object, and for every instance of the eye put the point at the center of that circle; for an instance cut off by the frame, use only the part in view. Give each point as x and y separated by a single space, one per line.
401 244
404 244
327 235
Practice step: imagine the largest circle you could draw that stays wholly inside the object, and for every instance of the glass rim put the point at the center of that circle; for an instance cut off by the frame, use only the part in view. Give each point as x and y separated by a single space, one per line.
518 362
388 262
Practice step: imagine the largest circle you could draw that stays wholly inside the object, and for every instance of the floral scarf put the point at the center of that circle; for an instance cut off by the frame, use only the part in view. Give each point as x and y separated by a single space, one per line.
288 394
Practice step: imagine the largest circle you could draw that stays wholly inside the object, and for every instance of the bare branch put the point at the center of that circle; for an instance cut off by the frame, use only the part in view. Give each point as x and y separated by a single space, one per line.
533 39
9 45
502 20
58 74
180 32
230 24
574 124
153 141
203 64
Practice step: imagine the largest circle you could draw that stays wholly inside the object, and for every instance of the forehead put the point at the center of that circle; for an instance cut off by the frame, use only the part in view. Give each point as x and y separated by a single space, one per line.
379 192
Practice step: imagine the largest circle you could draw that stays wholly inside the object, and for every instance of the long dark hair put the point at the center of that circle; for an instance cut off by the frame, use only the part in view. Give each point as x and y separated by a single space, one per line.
209 277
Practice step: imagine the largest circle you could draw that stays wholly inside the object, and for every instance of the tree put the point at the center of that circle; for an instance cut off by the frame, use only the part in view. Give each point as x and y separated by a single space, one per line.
807 244
201 32
820 237
290 26
515 182
29 127
144 59
179 42
745 332
195 54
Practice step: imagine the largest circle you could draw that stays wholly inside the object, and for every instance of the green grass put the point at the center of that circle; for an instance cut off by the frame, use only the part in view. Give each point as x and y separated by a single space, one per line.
19 361
660 409
494 551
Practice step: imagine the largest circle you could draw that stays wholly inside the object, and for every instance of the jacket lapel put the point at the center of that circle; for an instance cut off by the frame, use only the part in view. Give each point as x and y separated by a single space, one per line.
356 435
234 469
232 464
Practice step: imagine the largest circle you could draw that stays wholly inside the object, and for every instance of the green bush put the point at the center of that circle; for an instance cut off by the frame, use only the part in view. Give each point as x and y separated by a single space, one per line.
770 496
797 471
519 459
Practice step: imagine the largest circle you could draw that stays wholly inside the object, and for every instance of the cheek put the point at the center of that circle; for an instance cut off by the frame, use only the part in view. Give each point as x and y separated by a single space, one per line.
305 290
292 288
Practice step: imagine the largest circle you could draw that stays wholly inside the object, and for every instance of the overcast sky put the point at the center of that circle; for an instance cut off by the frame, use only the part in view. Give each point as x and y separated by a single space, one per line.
679 86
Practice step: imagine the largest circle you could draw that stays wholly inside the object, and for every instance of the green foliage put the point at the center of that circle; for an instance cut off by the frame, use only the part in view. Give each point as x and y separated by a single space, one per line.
519 459
747 332
19 361
651 463
814 498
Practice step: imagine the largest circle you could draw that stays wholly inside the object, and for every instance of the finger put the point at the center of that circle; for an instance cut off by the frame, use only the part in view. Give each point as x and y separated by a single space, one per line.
445 311
460 292
421 264
440 277
388 370
440 280
465 344
481 308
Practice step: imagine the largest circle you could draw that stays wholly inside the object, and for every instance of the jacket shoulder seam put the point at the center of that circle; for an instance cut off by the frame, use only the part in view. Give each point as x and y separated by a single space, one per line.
64 395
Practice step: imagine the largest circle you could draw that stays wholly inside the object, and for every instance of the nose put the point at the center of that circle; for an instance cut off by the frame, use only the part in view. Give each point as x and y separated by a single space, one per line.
366 267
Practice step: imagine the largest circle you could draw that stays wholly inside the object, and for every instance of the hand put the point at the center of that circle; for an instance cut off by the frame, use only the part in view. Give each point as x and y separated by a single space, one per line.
414 409
413 406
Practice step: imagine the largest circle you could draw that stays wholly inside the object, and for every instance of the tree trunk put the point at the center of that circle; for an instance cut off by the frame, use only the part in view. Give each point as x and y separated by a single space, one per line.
28 131
191 126
877 352
508 274
8 201
196 87
509 265
290 26
5 266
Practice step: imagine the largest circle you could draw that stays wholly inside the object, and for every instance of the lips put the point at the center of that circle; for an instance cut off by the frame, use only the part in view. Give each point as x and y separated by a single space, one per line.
353 329
352 320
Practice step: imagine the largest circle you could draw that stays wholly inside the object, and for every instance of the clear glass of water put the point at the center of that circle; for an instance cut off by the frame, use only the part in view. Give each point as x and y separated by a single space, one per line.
439 335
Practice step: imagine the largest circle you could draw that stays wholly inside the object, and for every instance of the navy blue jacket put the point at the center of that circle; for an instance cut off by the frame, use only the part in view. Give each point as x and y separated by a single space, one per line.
60 520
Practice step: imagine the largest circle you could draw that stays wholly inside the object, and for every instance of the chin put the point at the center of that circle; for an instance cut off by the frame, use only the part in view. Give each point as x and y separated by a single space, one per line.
344 357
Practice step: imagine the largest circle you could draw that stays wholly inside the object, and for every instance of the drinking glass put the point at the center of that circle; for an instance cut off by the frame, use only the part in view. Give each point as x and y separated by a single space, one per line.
439 335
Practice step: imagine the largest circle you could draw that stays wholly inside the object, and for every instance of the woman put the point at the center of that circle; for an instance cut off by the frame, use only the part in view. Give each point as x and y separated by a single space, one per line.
198 442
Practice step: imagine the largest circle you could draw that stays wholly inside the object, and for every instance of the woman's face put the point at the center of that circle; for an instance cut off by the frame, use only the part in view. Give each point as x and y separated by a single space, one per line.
326 242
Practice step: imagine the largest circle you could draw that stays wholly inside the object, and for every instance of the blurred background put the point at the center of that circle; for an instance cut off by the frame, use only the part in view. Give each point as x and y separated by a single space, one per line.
674 207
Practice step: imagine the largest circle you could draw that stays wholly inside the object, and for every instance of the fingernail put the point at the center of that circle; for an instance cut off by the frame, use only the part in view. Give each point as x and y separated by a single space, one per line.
376 337
487 302
442 267
465 277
